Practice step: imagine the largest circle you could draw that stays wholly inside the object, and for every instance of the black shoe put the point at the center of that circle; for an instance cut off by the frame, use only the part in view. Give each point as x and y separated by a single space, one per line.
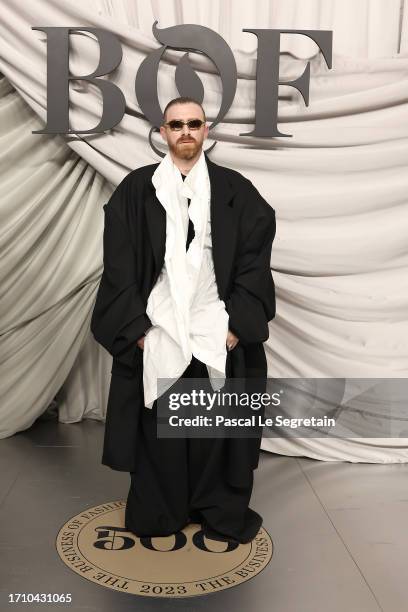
216 535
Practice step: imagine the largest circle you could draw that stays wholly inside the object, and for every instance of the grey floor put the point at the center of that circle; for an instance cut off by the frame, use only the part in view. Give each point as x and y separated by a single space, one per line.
339 529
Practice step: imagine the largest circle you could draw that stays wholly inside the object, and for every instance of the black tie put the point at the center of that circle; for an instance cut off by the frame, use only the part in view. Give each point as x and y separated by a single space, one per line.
190 232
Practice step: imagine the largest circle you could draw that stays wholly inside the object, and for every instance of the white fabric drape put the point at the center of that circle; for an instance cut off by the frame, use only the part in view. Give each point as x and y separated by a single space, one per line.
338 187
181 327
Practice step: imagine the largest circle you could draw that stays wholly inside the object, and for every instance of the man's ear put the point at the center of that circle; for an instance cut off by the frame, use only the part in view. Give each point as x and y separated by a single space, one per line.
163 133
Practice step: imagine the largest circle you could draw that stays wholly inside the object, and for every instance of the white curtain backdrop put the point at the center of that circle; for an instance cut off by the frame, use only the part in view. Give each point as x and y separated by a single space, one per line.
338 185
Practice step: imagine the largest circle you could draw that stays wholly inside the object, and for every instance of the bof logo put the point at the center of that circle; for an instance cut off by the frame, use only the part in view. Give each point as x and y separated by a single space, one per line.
191 38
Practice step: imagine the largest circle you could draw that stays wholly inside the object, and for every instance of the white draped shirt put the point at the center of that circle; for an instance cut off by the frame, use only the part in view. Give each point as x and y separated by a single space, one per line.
188 317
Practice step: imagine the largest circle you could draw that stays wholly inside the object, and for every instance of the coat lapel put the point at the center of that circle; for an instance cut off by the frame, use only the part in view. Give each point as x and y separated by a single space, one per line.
156 222
224 225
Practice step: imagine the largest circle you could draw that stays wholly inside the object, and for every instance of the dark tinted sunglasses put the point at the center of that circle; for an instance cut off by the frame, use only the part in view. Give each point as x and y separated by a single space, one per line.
176 124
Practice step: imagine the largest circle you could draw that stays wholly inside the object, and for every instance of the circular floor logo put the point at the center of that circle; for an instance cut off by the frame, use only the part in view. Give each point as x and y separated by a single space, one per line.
96 545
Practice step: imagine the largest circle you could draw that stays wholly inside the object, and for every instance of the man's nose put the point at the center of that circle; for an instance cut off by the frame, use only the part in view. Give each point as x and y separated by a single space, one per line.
185 130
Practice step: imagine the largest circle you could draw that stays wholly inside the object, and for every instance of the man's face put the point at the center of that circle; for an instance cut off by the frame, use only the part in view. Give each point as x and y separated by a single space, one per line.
185 143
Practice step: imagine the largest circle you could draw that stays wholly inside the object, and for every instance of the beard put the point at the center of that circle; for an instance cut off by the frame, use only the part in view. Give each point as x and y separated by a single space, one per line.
187 150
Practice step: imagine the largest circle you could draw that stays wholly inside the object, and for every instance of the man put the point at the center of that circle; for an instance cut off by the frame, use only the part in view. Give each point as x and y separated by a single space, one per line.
187 292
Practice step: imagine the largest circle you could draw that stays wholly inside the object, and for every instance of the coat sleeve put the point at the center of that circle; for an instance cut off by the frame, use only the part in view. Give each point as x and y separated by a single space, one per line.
119 318
251 303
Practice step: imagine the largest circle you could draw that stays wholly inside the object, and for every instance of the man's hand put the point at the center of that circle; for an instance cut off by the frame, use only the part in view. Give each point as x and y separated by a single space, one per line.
140 342
232 340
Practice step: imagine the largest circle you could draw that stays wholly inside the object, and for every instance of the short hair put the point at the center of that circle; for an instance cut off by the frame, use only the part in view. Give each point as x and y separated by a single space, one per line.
182 100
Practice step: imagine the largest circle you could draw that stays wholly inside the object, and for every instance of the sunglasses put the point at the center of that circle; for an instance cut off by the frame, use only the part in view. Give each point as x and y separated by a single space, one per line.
176 124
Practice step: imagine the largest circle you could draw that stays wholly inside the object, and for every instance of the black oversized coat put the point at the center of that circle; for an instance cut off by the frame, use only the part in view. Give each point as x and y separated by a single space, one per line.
242 231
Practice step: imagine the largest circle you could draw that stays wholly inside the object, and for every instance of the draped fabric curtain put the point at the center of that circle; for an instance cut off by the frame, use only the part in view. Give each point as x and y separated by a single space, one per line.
338 186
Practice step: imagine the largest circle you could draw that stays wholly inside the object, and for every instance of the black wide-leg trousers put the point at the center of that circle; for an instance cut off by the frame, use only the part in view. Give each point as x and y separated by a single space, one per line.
183 480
